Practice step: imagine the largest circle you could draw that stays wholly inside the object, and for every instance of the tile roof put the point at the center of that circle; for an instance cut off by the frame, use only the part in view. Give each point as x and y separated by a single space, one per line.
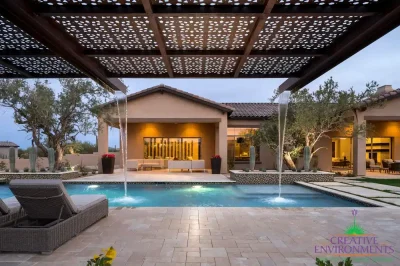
252 110
385 96
8 144
180 93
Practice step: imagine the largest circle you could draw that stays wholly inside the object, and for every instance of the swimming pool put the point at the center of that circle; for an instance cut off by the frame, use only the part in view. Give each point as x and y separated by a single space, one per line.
168 195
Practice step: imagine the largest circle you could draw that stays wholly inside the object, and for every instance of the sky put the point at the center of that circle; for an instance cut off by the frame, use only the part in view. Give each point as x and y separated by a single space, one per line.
380 61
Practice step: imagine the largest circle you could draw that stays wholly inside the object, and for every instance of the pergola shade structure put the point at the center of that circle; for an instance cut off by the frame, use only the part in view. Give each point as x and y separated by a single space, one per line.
108 39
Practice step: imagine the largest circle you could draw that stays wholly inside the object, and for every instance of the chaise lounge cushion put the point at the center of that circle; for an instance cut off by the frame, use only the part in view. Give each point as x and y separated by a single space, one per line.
4 209
43 199
12 203
83 202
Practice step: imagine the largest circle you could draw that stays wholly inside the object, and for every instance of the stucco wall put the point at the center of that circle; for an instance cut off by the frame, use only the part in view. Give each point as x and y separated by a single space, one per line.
138 131
167 106
73 159
4 152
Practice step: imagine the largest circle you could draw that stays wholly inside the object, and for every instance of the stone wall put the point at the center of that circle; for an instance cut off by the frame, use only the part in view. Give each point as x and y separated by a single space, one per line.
63 176
272 177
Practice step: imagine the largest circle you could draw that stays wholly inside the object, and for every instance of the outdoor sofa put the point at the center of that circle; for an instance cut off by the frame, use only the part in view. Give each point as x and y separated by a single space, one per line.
51 217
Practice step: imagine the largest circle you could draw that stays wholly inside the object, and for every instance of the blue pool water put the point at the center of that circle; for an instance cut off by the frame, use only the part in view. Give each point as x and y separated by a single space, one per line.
205 195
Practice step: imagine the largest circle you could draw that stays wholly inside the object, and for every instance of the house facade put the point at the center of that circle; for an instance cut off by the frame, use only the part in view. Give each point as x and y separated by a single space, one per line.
171 124
5 149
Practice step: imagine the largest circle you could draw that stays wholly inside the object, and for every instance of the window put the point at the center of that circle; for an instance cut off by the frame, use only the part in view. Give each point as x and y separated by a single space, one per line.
379 149
171 148
239 145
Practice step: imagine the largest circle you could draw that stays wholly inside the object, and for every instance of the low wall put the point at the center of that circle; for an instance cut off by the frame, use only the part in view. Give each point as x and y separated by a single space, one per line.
73 159
63 176
272 177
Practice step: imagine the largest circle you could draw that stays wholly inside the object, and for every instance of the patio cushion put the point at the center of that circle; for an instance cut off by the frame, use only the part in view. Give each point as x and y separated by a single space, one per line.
83 202
3 207
13 204
43 199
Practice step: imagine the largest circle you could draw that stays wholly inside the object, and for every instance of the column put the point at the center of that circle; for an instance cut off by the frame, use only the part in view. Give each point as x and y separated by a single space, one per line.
102 141
223 143
359 148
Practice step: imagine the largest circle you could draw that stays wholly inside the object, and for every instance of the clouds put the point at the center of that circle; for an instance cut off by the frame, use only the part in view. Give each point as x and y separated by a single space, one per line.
380 62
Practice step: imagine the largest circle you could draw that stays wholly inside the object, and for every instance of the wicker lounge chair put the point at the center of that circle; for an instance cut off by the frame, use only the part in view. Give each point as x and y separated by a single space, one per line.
52 216
9 210
373 166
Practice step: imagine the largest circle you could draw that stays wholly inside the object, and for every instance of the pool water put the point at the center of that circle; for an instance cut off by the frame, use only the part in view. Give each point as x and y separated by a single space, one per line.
167 195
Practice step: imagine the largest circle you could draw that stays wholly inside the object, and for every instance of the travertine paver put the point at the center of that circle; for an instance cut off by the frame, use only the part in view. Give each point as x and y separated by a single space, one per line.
331 184
234 236
365 192
391 200
377 186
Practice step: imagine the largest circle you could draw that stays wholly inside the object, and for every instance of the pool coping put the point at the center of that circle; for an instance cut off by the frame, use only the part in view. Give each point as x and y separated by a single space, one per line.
347 196
151 182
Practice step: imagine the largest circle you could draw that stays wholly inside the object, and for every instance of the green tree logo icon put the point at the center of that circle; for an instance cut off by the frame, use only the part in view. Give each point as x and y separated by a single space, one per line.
354 229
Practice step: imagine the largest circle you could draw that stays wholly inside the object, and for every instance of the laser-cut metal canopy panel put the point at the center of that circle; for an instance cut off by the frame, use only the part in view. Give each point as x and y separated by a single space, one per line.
105 39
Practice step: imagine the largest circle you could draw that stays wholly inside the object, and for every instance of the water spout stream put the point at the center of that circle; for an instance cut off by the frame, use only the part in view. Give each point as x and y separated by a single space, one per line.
282 114
123 139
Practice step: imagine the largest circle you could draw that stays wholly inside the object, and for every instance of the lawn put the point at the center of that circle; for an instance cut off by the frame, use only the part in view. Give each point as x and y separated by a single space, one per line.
390 182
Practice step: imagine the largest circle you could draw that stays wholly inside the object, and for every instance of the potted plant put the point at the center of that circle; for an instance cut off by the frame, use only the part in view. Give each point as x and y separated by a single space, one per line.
216 164
107 161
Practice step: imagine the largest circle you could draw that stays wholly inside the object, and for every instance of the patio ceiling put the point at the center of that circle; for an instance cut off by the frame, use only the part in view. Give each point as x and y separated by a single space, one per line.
109 39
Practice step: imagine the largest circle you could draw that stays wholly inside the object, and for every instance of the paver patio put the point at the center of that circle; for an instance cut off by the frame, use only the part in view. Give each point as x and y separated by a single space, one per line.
217 236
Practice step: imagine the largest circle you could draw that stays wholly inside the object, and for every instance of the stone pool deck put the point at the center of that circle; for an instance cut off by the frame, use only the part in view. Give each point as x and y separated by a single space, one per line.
218 236
369 192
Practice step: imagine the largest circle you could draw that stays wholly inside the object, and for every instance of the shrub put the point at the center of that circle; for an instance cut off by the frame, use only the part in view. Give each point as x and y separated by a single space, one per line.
62 169
7 170
299 170
350 174
346 262
294 170
246 170
94 172
84 173
26 169
263 170
2 166
42 170
315 170
16 170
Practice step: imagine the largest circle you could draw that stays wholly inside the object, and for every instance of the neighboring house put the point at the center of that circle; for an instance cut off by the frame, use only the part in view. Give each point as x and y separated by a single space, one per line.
167 123
5 148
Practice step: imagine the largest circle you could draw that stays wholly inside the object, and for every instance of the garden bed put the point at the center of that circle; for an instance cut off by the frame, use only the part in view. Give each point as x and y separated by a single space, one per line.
40 175
272 177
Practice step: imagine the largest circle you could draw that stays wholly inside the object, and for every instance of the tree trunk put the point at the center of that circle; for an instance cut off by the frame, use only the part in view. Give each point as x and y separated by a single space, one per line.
59 156
289 161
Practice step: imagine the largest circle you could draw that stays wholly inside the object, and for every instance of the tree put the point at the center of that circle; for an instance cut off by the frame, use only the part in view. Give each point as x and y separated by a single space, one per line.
313 115
329 109
53 120
268 135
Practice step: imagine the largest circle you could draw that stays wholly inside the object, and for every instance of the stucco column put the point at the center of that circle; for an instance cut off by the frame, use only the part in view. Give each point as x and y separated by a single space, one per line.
102 141
359 149
222 143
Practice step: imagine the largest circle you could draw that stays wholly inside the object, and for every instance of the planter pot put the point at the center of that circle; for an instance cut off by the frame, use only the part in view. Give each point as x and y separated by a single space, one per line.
216 165
108 165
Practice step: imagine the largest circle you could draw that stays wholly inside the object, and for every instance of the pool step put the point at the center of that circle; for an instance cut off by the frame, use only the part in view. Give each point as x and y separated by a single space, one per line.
3 180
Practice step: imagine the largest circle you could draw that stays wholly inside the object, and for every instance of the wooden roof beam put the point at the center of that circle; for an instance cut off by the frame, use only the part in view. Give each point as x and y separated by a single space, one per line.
155 27
20 13
360 36
216 10
259 25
